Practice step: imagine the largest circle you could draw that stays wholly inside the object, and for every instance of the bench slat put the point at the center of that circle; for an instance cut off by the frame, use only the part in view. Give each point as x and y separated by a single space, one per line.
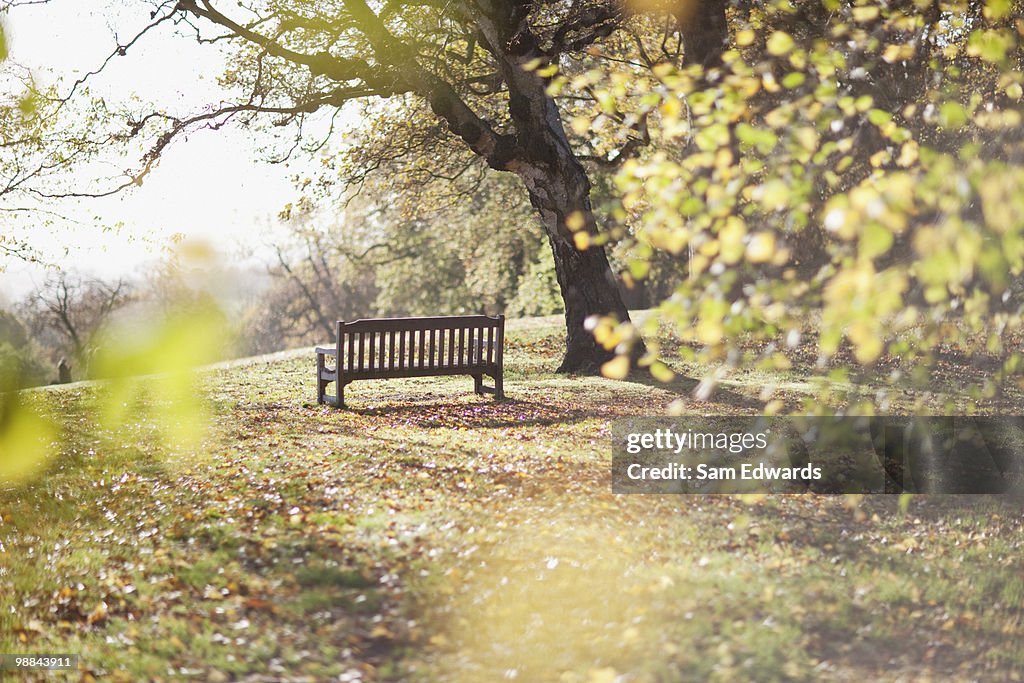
391 349
406 324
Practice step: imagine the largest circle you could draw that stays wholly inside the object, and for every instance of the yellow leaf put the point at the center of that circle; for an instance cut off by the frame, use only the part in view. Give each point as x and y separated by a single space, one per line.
575 221
865 13
671 109
616 368
548 71
779 43
710 331
867 348
761 247
580 125
807 137
731 237
908 153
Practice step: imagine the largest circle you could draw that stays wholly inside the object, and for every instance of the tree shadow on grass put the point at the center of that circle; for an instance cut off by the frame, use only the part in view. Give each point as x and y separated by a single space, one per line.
855 531
432 414
686 387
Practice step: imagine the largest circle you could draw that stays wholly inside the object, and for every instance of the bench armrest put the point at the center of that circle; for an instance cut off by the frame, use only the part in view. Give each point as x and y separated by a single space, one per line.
327 351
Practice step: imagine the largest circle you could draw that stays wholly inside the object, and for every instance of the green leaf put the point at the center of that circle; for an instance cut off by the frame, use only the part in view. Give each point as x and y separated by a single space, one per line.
763 139
875 241
639 268
952 115
990 45
794 79
25 442
905 502
997 9
879 117
661 372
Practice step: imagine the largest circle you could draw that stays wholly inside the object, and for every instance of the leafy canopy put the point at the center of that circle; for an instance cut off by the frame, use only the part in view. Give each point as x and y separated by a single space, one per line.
849 182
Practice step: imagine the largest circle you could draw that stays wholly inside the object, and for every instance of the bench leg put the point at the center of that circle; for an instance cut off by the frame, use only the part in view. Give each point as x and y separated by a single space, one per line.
321 385
499 386
478 384
341 396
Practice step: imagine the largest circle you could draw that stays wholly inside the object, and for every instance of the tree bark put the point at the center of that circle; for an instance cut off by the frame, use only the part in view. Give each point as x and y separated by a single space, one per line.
585 278
705 31
588 288
557 184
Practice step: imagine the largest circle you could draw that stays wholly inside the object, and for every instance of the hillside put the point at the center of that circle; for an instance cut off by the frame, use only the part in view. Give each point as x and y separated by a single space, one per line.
428 534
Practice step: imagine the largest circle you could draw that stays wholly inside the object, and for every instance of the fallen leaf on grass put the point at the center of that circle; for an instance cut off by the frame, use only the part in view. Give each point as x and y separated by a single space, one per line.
98 614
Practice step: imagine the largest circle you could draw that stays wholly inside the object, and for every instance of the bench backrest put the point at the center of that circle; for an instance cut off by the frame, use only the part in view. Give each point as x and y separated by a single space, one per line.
399 345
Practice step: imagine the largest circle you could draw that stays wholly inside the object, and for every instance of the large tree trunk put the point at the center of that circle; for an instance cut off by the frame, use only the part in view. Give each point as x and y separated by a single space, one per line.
585 278
557 184
588 288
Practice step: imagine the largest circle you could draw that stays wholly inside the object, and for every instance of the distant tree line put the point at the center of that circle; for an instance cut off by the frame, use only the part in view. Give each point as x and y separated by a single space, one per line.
69 319
441 249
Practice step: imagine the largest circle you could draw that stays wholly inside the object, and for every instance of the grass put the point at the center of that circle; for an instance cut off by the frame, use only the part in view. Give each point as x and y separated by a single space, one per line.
431 535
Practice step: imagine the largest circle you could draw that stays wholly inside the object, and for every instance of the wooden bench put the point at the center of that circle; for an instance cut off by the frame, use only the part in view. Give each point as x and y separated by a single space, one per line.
385 348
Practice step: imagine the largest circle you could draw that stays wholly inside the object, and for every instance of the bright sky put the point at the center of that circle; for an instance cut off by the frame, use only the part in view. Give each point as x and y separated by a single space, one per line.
211 187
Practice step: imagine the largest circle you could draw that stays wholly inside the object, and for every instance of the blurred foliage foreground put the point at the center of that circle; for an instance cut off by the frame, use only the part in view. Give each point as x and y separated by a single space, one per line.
852 172
148 368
